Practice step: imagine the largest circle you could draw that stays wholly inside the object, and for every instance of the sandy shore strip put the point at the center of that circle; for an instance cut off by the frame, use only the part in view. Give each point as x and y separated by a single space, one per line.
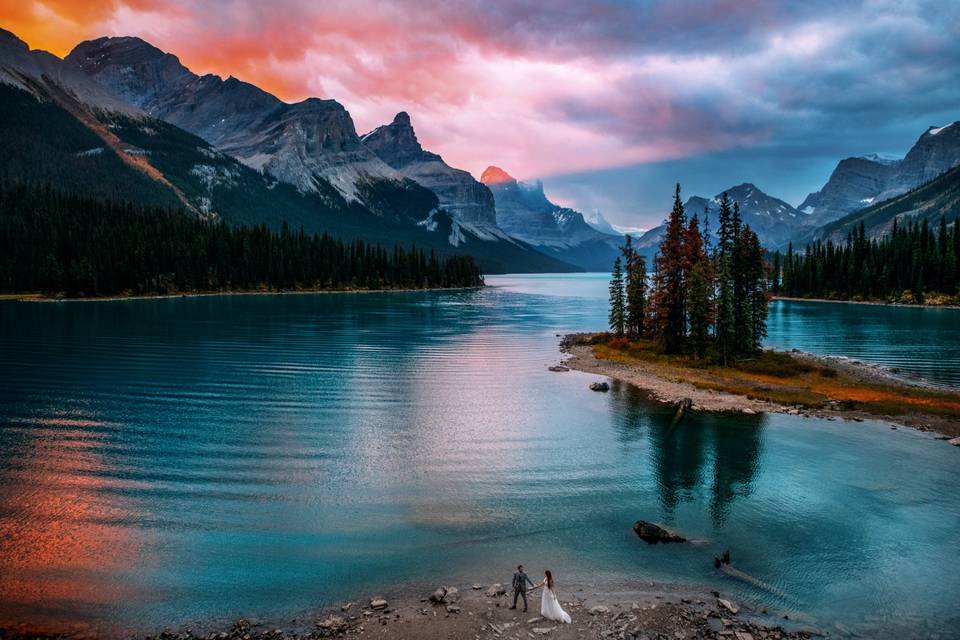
482 611
666 388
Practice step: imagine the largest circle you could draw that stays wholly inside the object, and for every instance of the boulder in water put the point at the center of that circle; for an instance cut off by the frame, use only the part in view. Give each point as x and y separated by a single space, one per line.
654 533
599 386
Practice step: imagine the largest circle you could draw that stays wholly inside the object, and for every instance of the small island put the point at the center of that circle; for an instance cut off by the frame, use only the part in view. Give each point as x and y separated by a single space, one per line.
692 335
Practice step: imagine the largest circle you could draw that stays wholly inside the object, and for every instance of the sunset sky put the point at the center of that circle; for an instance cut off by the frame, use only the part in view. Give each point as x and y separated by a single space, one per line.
609 103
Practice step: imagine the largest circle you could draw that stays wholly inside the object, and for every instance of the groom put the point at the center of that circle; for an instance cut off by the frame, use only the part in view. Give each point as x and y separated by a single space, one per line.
520 581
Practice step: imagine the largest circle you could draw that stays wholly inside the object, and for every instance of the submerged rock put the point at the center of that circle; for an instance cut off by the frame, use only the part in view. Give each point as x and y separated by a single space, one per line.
653 533
599 386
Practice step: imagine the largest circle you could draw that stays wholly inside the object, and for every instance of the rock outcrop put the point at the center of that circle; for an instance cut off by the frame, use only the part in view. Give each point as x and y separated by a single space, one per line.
466 199
654 533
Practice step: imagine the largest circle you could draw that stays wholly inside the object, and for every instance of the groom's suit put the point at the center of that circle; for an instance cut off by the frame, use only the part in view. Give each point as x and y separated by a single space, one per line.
520 581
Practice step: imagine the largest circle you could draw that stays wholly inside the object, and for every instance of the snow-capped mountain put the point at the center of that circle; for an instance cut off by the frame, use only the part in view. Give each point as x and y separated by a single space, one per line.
774 221
861 182
525 212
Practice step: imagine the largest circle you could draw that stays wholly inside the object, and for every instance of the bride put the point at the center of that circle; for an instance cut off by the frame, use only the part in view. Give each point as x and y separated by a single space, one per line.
549 605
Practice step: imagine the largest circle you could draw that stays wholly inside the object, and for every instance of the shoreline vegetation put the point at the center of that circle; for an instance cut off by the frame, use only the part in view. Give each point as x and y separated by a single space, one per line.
929 302
912 264
793 382
40 297
634 609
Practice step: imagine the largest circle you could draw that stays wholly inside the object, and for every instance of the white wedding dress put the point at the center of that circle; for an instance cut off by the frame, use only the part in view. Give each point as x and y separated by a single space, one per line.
550 607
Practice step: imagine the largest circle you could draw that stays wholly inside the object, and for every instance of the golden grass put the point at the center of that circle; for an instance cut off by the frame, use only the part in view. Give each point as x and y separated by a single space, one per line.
783 379
20 296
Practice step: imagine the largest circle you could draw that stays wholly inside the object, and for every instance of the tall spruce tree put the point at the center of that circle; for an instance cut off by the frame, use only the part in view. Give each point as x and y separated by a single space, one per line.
617 315
699 284
636 285
756 297
670 311
725 331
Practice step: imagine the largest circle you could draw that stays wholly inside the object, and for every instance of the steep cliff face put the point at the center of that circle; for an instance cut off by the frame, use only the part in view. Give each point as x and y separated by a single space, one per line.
934 153
932 200
467 200
854 184
296 143
858 183
525 212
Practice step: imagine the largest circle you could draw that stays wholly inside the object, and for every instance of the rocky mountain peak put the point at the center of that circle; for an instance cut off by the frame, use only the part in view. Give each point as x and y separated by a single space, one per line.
8 39
495 175
396 143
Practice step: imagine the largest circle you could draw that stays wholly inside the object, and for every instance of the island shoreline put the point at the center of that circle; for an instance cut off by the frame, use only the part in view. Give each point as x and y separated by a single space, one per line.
581 357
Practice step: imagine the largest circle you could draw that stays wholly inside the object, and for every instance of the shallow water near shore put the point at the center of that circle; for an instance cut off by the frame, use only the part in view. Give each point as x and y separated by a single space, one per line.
180 459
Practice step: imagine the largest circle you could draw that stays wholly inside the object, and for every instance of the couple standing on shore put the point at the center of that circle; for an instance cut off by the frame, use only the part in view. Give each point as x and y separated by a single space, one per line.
549 605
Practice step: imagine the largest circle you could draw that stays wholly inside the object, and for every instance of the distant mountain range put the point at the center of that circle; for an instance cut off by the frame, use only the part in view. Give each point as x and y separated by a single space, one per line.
872 188
857 183
525 212
774 221
120 119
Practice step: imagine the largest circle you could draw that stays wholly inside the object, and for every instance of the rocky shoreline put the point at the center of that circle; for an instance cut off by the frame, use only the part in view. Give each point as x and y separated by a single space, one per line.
580 356
482 611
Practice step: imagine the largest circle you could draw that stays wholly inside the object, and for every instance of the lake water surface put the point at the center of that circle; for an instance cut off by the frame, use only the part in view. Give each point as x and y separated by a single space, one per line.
169 460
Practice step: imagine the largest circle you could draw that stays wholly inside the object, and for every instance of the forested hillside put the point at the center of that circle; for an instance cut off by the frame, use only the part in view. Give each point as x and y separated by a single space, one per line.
56 243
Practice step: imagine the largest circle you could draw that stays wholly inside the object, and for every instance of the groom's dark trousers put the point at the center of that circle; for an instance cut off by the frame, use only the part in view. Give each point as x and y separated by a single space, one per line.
522 591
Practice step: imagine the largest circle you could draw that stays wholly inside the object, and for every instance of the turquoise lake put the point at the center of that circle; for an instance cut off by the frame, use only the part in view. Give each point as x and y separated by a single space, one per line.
170 460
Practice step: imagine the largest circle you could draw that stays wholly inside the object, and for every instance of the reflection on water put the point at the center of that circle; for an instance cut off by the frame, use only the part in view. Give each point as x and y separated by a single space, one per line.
700 451
76 540
170 460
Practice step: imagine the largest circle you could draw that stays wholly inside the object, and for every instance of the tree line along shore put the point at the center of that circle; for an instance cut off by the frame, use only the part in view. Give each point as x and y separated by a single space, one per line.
913 264
63 245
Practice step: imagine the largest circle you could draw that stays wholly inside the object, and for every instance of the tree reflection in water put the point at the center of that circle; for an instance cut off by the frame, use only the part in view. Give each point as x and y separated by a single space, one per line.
704 452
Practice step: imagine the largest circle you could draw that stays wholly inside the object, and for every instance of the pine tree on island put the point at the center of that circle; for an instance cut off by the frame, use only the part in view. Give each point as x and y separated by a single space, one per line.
617 315
636 284
699 304
670 296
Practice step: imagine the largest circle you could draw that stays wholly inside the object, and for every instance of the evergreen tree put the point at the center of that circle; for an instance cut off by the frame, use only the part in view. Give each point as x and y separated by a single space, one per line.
670 310
617 315
725 327
699 285
636 285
